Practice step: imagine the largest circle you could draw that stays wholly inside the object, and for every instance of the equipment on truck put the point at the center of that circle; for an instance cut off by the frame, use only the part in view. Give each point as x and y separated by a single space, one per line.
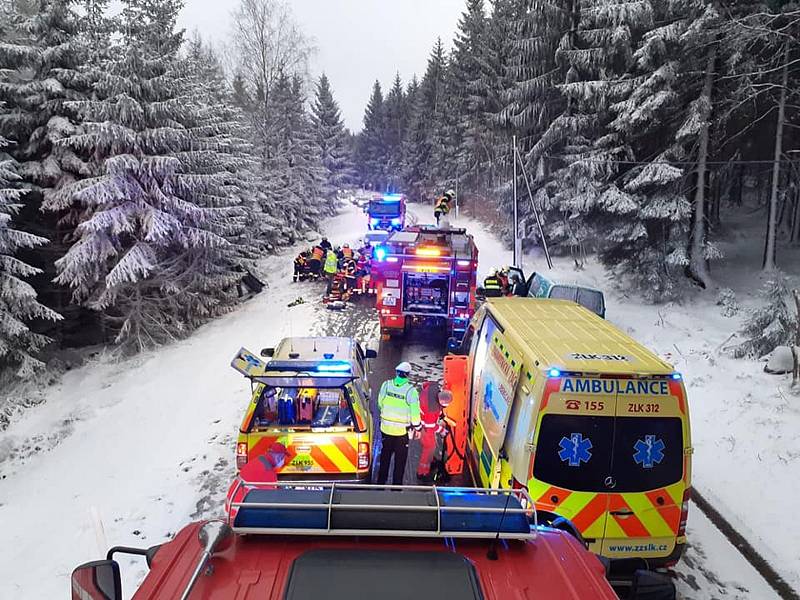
593 424
312 397
425 275
328 540
387 212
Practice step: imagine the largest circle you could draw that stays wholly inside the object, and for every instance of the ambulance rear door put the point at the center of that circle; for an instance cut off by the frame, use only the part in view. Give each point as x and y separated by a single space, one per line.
571 462
647 469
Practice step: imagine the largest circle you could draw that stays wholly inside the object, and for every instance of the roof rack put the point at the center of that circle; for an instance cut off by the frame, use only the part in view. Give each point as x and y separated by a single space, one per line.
347 509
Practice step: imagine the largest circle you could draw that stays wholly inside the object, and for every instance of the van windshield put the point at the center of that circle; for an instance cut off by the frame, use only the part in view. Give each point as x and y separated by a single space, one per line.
384 209
579 452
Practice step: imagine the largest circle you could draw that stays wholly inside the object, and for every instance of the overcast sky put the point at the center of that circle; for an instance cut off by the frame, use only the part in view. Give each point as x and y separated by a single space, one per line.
357 40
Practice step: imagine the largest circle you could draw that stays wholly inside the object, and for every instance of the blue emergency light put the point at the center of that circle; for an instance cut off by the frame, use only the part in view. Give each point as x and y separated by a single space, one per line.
554 373
334 367
380 253
396 221
677 376
392 197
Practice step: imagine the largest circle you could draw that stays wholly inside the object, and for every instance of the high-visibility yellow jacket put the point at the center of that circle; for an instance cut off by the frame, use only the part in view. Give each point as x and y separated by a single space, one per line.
398 403
331 262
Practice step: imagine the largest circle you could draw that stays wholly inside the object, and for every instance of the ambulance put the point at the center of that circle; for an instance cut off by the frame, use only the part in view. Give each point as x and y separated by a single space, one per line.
593 424
311 396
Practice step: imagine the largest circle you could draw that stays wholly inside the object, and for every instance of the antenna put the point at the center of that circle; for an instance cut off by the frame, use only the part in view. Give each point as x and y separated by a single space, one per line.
491 554
315 345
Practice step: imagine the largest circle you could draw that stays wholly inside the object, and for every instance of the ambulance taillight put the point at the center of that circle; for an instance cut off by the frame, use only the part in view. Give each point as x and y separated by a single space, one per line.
684 512
241 454
363 455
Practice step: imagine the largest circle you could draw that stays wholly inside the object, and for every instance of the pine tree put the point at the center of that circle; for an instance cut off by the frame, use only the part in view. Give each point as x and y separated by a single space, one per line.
331 137
151 251
424 158
397 115
372 152
42 72
18 303
769 325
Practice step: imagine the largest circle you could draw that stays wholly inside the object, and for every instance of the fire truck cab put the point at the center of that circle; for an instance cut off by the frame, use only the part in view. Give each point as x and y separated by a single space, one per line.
426 275
387 212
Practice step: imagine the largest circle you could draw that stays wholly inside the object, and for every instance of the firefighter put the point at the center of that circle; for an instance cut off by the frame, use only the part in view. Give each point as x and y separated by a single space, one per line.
347 251
432 404
398 403
363 271
315 262
330 268
492 285
442 205
350 273
301 265
325 244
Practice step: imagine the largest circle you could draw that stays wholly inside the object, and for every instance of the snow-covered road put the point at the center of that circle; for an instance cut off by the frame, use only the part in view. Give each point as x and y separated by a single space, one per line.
147 444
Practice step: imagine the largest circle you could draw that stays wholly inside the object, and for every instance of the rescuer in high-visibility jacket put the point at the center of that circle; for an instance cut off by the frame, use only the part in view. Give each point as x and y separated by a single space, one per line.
492 285
330 268
398 403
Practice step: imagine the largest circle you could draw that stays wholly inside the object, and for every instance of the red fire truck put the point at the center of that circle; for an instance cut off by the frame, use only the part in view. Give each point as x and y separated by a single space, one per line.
425 275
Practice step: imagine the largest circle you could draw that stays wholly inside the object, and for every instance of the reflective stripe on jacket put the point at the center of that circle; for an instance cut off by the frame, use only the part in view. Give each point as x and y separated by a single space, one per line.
399 407
331 263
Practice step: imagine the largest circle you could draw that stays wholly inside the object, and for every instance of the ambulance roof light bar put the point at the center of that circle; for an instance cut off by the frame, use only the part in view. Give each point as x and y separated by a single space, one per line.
460 512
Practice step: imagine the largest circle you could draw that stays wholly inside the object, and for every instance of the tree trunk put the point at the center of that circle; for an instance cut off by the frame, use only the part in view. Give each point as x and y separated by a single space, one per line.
698 265
772 222
796 347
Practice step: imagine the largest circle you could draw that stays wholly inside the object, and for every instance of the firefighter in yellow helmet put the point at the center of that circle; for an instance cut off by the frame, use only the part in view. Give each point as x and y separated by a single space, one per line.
441 207
398 403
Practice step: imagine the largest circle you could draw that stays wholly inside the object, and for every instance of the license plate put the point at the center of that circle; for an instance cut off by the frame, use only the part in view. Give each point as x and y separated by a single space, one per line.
390 301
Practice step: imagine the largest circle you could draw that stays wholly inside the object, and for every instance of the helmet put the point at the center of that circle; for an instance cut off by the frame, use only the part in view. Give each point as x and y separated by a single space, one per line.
345 245
404 367
324 238
450 194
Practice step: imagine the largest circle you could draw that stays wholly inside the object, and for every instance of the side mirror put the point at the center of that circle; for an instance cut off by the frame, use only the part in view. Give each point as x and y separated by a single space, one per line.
370 353
97 580
480 291
648 585
268 352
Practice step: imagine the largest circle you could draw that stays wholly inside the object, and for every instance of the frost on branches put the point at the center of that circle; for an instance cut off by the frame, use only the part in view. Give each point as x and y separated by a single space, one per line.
152 251
770 325
18 304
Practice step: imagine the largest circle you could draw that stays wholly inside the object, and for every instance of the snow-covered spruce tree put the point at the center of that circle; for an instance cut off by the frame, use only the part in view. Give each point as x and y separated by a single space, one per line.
151 252
18 303
468 89
769 325
331 138
426 132
397 115
42 70
371 152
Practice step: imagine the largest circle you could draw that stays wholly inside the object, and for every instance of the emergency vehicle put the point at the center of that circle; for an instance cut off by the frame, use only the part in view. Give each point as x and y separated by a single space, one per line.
593 424
333 540
387 212
312 396
426 275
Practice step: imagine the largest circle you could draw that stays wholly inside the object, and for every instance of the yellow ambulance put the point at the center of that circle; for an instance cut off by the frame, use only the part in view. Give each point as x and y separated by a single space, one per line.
592 423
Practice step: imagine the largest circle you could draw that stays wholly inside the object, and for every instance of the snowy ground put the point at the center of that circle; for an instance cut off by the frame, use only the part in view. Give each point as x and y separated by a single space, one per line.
145 445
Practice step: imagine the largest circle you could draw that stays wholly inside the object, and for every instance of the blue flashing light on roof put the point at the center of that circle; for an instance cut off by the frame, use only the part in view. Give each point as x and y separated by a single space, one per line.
677 376
554 373
392 197
396 221
334 368
380 253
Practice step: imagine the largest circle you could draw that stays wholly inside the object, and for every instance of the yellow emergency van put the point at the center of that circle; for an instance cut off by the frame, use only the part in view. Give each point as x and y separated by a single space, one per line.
592 423
312 396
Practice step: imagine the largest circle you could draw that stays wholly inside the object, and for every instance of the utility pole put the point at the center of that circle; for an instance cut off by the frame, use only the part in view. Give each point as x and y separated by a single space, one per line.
517 252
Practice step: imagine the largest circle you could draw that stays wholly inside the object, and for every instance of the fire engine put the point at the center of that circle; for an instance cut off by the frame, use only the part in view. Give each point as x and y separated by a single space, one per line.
426 275
387 212
330 541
